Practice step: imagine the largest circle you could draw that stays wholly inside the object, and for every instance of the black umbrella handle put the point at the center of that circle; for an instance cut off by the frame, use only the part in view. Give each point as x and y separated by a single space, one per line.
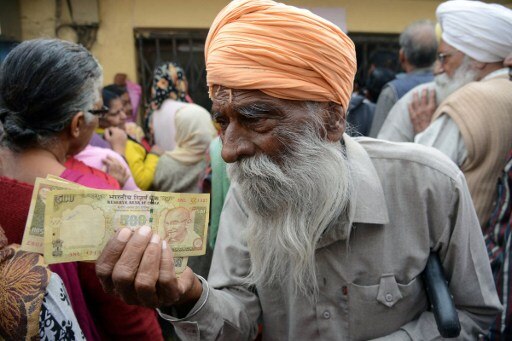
440 298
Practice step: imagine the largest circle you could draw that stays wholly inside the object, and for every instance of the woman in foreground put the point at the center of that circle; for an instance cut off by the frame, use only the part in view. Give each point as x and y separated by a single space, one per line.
49 102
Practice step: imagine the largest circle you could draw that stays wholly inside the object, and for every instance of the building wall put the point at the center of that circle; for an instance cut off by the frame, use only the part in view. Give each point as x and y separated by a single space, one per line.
115 45
37 18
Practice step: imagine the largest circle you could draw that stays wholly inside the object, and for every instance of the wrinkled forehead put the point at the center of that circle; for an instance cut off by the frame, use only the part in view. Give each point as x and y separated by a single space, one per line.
222 95
224 98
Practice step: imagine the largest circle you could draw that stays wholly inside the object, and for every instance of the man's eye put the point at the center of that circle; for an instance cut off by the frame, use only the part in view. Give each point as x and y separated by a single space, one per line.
221 121
254 120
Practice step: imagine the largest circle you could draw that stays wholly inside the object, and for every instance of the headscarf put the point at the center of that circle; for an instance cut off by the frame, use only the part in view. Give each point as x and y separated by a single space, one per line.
164 124
194 132
169 82
284 51
135 93
480 30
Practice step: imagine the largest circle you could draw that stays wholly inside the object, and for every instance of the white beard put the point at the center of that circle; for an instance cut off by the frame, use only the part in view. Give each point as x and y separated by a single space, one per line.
290 205
445 85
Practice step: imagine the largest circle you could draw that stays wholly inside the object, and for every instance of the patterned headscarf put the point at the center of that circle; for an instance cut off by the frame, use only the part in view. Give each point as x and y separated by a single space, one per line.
169 82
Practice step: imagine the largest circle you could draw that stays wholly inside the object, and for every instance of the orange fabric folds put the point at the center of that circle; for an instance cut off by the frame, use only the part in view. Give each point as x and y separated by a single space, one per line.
284 51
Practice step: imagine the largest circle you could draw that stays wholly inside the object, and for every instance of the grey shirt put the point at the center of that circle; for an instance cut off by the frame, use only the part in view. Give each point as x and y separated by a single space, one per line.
409 199
390 95
385 102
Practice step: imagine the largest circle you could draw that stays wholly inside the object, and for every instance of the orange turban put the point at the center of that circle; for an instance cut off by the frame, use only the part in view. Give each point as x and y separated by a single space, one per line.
283 51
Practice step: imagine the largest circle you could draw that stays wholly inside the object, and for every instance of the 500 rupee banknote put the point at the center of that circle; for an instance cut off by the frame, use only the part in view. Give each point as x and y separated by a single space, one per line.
33 236
79 222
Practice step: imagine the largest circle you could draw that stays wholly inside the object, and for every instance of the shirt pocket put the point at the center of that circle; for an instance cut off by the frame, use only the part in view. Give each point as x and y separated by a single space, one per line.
381 309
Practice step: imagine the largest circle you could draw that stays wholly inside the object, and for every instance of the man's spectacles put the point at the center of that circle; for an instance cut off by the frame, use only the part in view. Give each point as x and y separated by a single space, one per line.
100 112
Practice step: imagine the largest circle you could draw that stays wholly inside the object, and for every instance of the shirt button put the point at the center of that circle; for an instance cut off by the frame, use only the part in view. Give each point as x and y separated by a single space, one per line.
327 315
389 297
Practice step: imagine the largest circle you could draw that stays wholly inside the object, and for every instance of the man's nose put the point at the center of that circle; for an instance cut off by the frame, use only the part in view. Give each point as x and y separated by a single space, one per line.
438 68
235 145
123 115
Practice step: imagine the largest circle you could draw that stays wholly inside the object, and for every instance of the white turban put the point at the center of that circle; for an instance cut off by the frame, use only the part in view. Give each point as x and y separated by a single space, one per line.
481 31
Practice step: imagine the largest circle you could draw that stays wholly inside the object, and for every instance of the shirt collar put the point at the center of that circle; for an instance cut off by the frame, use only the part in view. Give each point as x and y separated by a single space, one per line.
421 70
369 203
497 73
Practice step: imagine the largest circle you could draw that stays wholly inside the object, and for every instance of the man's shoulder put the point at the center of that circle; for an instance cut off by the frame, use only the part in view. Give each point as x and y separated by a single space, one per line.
493 87
477 97
166 161
418 88
400 156
397 126
170 168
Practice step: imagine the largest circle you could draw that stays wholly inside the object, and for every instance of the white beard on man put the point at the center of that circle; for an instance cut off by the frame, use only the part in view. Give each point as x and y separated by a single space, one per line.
446 85
291 203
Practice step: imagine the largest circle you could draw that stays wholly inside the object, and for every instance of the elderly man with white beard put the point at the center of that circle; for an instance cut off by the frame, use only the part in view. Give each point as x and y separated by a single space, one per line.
322 237
481 34
473 123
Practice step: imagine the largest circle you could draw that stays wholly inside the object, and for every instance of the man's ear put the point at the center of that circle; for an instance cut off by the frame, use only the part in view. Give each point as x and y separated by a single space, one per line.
77 124
334 122
401 56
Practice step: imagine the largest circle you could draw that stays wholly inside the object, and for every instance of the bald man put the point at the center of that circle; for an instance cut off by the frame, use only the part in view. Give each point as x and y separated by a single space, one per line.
417 54
322 237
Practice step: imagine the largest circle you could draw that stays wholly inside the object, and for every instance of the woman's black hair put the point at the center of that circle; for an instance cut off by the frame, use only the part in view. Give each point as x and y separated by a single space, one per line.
117 89
43 84
108 97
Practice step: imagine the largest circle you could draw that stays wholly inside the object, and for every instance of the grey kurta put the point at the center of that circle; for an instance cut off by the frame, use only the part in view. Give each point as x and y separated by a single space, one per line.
397 125
385 102
409 199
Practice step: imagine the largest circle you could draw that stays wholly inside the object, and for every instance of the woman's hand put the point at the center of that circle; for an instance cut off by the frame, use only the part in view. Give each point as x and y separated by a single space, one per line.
157 150
116 169
117 138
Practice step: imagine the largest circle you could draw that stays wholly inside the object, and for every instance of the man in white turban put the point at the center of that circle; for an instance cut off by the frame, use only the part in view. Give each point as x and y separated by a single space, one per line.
475 30
322 237
473 123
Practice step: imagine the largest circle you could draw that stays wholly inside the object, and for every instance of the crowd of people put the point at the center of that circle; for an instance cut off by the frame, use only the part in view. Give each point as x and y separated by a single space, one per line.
322 219
72 127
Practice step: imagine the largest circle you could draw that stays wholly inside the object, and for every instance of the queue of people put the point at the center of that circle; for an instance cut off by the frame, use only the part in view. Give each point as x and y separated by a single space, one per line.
317 232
